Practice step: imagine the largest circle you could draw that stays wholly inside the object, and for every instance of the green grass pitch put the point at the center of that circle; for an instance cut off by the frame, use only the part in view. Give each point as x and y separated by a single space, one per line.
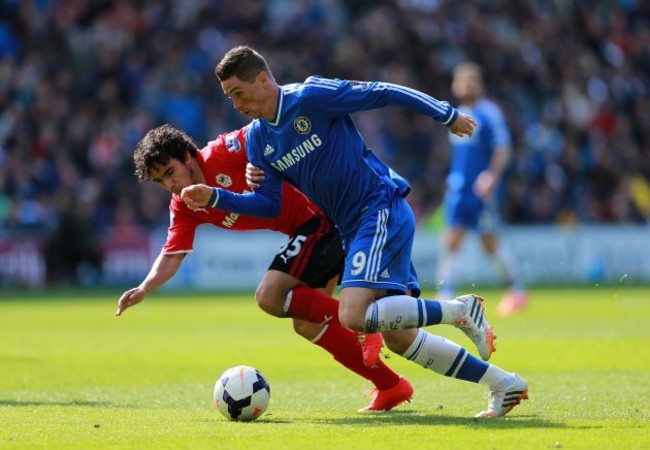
73 376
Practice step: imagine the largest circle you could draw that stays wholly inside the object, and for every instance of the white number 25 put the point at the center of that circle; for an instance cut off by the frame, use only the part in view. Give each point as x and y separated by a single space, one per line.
292 248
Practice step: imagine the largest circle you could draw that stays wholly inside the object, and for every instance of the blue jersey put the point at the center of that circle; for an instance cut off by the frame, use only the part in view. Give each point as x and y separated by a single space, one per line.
314 144
471 155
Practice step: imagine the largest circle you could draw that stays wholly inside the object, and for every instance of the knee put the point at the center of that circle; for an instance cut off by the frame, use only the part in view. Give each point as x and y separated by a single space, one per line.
270 300
453 245
306 329
490 244
399 341
300 327
351 317
390 341
490 249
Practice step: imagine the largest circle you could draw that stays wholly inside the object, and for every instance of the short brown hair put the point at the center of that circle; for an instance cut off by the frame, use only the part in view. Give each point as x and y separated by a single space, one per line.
470 66
158 146
242 62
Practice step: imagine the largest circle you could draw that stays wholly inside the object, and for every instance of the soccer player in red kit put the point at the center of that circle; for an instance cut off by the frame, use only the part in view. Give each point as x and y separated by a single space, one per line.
301 277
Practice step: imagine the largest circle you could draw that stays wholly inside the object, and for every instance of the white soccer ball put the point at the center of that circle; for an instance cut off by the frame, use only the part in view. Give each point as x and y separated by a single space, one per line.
242 393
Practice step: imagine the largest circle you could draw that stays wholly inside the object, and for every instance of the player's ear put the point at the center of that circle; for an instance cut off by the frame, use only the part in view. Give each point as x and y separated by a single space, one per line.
263 77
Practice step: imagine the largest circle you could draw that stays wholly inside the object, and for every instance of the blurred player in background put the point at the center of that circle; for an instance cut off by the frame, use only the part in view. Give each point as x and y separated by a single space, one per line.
477 163
303 133
312 258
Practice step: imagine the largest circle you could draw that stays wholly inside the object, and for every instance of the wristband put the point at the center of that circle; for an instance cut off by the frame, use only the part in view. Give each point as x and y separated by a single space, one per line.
214 198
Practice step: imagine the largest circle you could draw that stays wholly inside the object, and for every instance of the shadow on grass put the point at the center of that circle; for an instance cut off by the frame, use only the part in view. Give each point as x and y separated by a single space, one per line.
72 403
409 418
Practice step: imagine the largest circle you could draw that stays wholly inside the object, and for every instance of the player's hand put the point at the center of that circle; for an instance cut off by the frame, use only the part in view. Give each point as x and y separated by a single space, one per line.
485 184
128 299
463 126
254 176
196 196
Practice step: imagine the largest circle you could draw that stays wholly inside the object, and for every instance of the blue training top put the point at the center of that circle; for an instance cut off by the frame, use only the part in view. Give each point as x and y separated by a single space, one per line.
472 155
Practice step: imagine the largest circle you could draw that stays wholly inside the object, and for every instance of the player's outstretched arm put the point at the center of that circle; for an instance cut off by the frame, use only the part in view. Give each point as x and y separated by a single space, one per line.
263 202
463 125
162 270
130 298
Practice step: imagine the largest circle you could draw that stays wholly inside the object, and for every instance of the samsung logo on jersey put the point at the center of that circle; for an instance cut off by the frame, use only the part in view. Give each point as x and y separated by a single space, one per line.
297 153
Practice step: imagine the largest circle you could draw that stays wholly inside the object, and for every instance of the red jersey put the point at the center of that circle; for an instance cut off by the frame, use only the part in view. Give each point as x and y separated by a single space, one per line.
223 162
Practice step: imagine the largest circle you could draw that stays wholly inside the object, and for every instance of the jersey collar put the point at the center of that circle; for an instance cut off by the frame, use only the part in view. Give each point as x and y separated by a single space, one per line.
278 107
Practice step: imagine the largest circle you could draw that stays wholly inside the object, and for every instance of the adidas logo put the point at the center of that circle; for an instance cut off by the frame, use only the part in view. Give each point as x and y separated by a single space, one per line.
476 312
385 274
268 150
512 398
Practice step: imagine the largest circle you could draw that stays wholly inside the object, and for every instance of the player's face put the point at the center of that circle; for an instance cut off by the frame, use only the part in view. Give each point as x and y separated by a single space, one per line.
467 84
173 176
248 98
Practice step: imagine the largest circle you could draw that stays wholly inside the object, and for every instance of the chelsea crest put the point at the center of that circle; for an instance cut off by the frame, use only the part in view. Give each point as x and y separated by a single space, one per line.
302 125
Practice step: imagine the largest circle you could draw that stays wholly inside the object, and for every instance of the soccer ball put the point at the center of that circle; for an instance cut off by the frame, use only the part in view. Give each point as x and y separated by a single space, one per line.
242 393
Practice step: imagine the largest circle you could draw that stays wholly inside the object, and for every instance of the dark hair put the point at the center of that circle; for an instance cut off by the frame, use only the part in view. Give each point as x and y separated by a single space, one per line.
242 62
158 146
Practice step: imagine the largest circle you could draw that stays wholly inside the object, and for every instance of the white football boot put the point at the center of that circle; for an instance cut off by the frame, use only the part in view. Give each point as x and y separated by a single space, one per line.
473 323
503 399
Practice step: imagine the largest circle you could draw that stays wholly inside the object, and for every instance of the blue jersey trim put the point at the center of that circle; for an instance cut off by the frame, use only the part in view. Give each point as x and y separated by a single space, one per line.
254 204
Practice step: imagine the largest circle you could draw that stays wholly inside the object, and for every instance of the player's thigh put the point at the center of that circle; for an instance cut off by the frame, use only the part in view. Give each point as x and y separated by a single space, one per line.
463 210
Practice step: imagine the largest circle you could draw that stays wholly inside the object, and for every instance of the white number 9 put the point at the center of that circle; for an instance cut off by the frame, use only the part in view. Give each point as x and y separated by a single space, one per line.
358 263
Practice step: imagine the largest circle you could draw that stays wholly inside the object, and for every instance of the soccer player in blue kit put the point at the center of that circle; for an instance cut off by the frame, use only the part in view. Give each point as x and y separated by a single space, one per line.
470 203
303 133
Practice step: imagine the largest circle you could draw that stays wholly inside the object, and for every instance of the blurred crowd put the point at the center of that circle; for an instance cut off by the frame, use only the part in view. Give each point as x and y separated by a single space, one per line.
82 81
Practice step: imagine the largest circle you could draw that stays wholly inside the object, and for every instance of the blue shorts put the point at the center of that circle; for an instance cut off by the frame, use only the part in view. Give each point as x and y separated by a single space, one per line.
464 210
379 252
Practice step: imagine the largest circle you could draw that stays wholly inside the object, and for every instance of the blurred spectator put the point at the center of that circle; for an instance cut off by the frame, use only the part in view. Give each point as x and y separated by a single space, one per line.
81 82
72 251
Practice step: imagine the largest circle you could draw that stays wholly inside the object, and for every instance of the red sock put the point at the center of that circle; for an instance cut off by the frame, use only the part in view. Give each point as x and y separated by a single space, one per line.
310 305
343 344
